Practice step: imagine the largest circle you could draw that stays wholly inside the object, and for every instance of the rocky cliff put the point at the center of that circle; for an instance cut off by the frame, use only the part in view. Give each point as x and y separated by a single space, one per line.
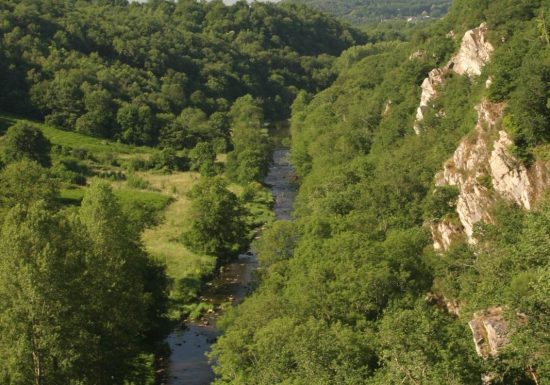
490 332
481 167
484 171
475 51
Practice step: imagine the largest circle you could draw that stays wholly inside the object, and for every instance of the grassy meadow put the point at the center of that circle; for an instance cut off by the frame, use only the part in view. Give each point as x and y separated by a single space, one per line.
157 199
163 196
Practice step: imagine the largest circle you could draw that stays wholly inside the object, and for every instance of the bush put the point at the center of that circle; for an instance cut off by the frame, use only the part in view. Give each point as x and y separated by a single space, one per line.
168 160
138 164
441 202
24 141
109 159
134 181
202 159
112 175
70 171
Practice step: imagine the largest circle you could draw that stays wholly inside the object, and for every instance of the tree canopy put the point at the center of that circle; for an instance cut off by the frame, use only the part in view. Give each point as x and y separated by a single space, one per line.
345 301
134 71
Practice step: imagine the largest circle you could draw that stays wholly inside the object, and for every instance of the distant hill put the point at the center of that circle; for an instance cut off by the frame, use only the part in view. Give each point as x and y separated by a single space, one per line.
363 11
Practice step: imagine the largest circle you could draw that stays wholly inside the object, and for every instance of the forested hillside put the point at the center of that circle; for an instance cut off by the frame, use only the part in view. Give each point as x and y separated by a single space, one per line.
368 11
358 294
160 72
134 142
133 139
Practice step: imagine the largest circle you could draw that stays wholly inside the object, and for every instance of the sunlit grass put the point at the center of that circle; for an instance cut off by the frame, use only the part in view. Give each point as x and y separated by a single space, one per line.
155 200
75 140
164 194
164 241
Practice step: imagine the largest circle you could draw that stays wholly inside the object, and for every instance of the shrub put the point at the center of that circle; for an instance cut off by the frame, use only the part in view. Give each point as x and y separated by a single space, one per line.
441 202
134 181
24 141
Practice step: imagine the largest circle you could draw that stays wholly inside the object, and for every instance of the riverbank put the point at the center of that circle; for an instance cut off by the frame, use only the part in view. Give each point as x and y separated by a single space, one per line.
188 363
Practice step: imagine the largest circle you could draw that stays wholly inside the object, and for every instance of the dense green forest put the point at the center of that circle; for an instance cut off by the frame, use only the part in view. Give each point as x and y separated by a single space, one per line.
161 72
344 299
117 206
368 11
134 139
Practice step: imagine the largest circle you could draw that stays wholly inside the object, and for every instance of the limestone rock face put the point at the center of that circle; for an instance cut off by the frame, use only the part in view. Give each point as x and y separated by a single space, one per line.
513 180
429 90
444 233
387 108
472 56
468 170
490 332
475 51
484 170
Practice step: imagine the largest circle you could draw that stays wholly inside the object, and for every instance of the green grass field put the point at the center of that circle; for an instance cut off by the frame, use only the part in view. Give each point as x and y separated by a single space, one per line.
75 140
165 198
164 241
156 201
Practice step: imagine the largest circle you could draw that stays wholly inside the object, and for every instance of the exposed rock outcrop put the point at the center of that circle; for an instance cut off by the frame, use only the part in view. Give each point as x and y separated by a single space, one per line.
450 306
484 170
429 90
417 55
475 51
468 170
490 332
512 179
444 233
387 108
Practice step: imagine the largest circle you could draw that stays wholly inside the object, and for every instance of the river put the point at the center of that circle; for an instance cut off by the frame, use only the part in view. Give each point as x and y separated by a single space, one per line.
188 363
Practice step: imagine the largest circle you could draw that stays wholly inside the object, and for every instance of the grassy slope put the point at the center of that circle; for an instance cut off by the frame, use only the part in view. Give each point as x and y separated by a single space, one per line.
163 241
76 140
166 196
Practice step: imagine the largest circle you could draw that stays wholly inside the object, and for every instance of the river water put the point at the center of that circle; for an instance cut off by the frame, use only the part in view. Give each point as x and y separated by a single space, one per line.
188 363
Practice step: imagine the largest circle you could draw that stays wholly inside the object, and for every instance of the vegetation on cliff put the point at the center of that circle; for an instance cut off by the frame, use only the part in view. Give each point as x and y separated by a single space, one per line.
349 304
148 169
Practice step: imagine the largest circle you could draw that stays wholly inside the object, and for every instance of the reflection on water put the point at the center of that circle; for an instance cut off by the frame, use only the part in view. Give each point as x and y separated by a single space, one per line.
188 362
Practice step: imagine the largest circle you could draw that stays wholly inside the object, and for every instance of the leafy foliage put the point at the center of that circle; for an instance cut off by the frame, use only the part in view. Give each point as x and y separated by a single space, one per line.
365 11
23 141
217 226
362 262
79 296
86 67
250 157
342 296
25 182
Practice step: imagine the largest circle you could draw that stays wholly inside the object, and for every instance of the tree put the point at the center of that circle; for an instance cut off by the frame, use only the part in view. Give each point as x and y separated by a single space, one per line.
245 113
42 331
25 182
118 306
217 220
137 123
202 159
24 141
79 299
99 117
277 243
250 158
424 345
